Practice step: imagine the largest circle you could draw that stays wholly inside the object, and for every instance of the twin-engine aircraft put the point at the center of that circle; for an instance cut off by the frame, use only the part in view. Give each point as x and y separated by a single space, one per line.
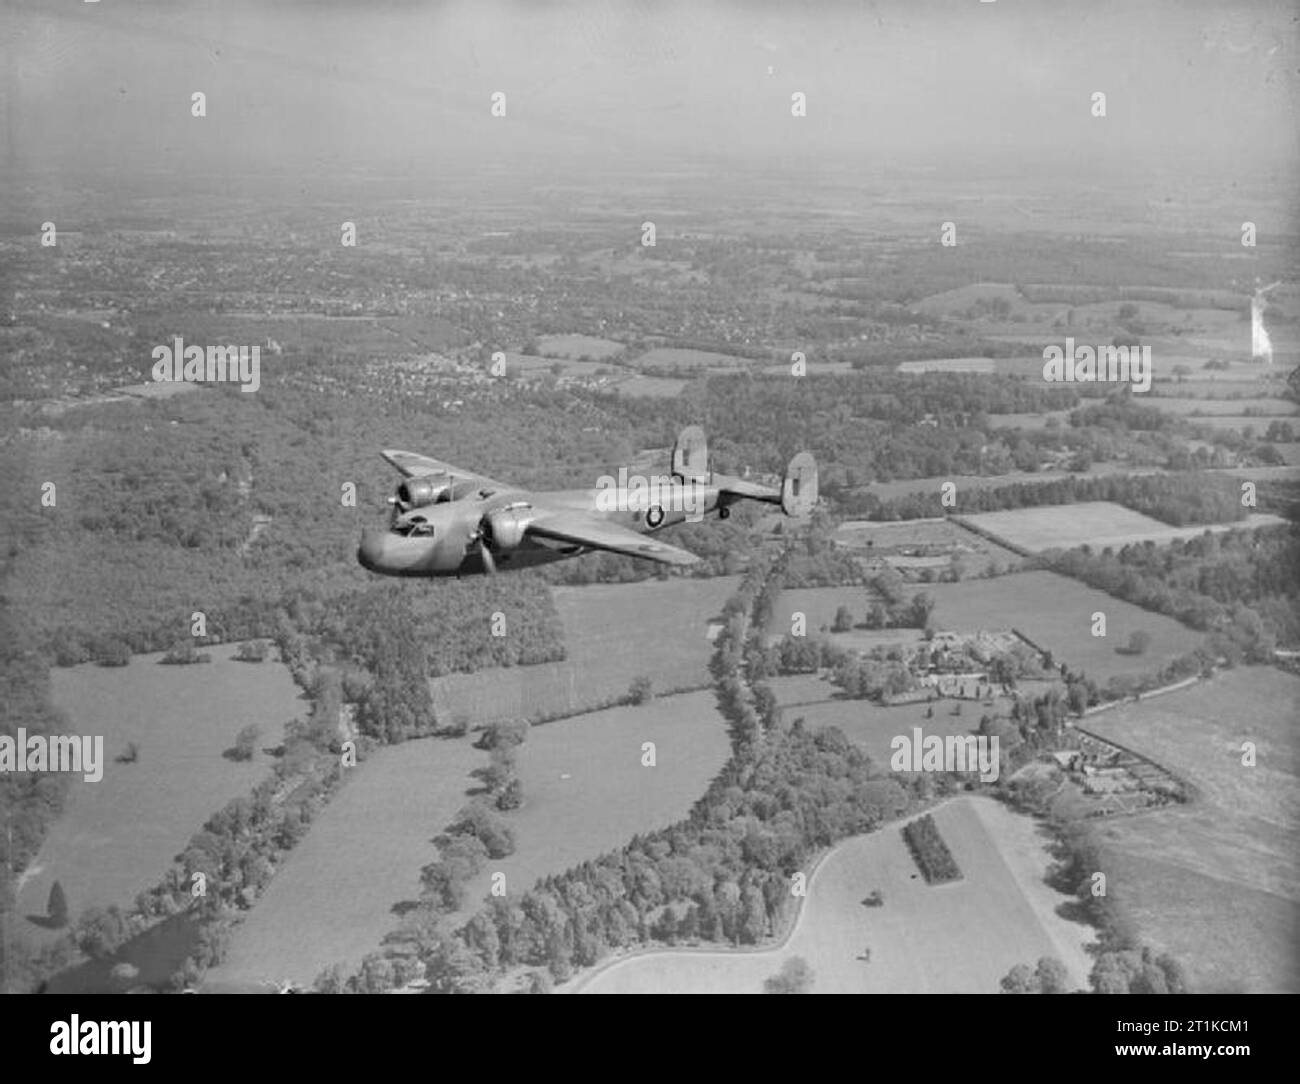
450 522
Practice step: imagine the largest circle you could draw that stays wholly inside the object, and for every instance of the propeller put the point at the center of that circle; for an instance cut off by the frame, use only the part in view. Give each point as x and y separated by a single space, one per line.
482 535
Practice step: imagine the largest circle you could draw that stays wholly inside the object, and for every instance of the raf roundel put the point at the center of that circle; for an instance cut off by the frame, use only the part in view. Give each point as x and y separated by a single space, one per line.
654 516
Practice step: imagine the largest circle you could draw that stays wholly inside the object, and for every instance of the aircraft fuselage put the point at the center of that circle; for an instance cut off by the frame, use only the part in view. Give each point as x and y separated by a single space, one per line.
446 540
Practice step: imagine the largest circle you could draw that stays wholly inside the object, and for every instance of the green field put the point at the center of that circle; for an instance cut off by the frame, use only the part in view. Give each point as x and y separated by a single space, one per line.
819 604
1217 882
334 899
1240 423
612 633
1204 405
653 387
954 938
534 365
874 726
946 536
1055 612
932 486
576 346
118 836
586 791
1027 421
671 357
1097 523
949 365
331 901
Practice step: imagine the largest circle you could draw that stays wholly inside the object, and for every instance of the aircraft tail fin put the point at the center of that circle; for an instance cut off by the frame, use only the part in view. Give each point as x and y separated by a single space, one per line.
691 455
799 486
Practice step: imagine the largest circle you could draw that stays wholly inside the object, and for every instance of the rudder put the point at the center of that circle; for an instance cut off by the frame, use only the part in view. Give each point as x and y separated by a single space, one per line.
799 486
691 455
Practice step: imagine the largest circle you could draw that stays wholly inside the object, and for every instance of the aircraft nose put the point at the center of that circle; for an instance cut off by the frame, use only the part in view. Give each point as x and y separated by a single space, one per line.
371 551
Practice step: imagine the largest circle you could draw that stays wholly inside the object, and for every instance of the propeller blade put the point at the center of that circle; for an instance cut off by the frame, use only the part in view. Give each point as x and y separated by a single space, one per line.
488 561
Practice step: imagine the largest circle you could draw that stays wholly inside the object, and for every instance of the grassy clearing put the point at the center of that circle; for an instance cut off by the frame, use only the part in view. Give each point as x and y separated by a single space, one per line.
1097 523
671 357
942 536
576 346
1027 421
613 633
906 487
956 938
1217 882
654 387
1193 405
1241 423
332 901
872 726
119 835
948 365
1053 611
587 792
1056 614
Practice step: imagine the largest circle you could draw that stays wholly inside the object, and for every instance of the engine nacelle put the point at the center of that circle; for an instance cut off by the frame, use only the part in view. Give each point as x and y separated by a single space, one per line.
430 488
415 492
504 529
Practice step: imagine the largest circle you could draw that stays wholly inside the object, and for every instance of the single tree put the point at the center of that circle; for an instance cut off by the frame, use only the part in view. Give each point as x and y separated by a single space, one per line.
1052 976
641 691
795 977
1138 642
56 909
246 742
1020 980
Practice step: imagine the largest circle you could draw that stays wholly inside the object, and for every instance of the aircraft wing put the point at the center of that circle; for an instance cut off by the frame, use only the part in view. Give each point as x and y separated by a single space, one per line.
580 530
412 465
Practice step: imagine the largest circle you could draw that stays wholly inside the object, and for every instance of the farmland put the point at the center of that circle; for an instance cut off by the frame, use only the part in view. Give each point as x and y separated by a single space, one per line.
906 487
118 836
1051 610
665 357
818 605
1098 523
1207 407
612 633
949 365
652 387
1056 614
578 346
585 792
1217 882
959 938
943 538
332 900
871 726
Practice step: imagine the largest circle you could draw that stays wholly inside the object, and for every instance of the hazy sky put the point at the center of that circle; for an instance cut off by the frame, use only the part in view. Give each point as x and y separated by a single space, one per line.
294 85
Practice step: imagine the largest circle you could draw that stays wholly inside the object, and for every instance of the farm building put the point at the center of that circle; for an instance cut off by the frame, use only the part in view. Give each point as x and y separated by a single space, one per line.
960 686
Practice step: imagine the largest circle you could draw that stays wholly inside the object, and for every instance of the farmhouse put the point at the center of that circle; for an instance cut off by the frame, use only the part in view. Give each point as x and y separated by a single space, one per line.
961 686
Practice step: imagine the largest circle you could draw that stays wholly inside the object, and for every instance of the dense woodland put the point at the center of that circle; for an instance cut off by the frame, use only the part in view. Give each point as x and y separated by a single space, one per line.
30 801
214 501
1242 586
1180 500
